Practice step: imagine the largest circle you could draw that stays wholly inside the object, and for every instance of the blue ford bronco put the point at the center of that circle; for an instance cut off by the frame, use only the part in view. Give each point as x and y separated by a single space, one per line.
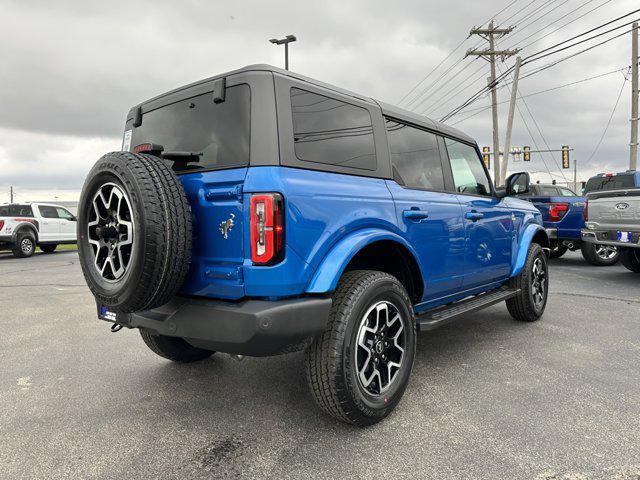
260 212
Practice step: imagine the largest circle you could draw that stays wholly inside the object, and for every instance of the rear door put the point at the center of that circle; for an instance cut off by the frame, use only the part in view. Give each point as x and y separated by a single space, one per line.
228 123
430 216
49 224
489 231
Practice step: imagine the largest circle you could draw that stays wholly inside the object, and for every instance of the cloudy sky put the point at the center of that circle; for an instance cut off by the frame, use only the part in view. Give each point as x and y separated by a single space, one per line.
70 70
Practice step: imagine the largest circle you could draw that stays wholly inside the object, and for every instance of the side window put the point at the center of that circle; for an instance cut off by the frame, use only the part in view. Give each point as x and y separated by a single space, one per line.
329 131
415 156
469 175
566 192
48 212
64 213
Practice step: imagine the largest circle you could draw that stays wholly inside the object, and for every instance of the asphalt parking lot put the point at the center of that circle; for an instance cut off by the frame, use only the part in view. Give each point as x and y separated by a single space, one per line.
489 398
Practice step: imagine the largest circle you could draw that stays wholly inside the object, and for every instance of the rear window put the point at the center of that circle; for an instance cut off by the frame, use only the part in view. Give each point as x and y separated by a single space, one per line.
332 132
220 131
16 211
551 191
615 182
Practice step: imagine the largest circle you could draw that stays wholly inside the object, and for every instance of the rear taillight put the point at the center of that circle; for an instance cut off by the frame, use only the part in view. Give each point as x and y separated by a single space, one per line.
557 211
586 211
267 228
1 224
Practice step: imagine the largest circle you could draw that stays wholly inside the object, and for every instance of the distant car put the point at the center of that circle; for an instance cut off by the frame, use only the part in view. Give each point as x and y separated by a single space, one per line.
612 215
25 226
563 214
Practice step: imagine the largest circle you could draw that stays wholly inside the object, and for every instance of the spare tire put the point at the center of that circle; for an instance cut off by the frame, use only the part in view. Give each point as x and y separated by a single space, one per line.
134 232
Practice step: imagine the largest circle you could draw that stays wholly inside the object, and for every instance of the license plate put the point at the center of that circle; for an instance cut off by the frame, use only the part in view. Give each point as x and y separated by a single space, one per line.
105 314
625 237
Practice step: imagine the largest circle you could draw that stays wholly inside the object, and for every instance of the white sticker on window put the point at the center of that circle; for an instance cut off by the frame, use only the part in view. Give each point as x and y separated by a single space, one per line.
126 141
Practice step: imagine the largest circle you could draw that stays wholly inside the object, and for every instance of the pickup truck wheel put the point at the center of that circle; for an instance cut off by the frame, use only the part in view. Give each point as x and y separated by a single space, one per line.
630 258
558 250
173 348
533 282
25 245
600 255
49 248
134 232
359 367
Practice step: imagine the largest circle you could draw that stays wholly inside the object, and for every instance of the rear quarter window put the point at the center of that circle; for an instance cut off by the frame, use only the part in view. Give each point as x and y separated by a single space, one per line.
16 211
330 131
220 131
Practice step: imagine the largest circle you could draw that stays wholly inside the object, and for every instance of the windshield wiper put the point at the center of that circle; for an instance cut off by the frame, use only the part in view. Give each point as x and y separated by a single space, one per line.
182 156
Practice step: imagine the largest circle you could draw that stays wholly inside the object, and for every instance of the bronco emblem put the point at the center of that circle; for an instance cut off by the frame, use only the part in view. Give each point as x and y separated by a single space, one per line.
226 226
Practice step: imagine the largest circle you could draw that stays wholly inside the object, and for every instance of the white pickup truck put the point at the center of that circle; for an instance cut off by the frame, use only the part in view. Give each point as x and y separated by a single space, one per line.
612 215
24 226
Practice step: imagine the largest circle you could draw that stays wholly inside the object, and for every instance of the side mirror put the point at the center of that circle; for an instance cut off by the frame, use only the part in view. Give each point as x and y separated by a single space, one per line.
73 218
517 184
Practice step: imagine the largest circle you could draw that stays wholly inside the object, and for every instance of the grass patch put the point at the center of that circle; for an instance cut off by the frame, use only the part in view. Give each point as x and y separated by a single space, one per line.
64 248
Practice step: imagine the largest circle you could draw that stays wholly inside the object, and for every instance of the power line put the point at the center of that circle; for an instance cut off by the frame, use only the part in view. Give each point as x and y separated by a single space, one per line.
576 82
529 59
433 70
606 128
563 25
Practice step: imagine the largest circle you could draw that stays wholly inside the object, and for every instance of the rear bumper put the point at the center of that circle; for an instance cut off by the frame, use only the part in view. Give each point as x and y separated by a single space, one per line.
250 327
606 237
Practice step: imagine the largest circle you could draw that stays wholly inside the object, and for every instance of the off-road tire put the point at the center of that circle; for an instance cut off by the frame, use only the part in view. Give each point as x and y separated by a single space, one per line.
522 307
589 253
630 258
558 250
24 236
162 232
173 348
48 248
329 359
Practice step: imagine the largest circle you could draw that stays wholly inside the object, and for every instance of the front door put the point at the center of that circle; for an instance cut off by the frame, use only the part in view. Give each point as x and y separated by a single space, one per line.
489 232
67 224
429 216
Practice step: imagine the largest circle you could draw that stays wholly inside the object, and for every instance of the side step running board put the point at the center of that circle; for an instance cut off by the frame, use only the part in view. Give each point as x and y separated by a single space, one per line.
437 317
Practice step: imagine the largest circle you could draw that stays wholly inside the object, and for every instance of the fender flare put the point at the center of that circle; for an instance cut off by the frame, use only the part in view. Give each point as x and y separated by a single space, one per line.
529 233
326 277
24 226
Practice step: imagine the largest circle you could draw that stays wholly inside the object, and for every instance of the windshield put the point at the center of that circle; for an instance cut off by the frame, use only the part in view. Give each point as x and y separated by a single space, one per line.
615 182
220 132
16 211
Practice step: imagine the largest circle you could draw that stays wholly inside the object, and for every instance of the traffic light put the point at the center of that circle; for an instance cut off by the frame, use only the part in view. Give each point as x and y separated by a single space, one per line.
486 157
565 157
526 153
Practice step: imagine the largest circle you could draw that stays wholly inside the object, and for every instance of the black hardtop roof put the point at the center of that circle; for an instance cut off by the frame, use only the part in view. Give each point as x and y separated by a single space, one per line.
387 109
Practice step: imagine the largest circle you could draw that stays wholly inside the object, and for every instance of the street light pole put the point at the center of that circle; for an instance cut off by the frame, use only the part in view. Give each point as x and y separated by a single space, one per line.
285 41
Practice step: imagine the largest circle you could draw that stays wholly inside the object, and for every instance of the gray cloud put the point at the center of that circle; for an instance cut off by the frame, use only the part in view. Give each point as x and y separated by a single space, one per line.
71 69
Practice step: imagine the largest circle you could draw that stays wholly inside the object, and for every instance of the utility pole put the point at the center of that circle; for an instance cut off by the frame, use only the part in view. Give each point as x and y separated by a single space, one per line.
11 193
490 34
575 175
285 41
633 159
512 107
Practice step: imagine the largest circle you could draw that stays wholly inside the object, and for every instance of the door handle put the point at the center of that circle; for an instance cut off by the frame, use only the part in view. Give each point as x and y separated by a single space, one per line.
415 214
473 216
